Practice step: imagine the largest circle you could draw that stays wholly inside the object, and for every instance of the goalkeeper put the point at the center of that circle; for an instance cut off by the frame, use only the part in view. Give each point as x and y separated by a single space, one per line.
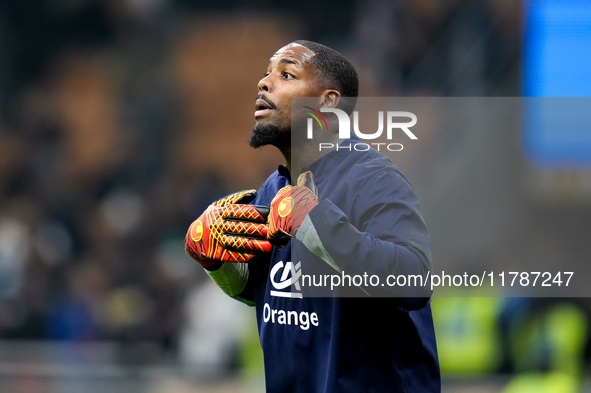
349 211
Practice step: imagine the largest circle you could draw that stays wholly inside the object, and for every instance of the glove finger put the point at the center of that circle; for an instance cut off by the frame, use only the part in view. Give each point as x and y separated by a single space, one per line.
237 197
280 215
281 204
282 193
238 257
306 179
248 213
241 244
240 228
305 202
234 256
218 252
247 197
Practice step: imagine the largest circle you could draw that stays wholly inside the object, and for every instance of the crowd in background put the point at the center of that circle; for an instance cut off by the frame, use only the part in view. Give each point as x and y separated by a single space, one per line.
120 121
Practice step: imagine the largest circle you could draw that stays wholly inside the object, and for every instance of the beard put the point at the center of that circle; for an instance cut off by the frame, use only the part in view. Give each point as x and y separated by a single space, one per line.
268 134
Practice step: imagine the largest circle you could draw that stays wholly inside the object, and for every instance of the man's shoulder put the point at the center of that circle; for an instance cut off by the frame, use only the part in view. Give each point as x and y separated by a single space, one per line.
372 167
363 180
375 157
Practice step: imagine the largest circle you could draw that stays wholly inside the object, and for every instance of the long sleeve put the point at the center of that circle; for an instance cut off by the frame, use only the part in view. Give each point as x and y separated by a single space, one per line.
232 278
386 236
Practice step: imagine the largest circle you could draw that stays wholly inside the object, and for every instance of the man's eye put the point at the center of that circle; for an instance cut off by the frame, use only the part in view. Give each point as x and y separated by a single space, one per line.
287 75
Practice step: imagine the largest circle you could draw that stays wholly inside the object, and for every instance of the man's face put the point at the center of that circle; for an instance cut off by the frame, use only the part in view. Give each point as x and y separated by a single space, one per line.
290 73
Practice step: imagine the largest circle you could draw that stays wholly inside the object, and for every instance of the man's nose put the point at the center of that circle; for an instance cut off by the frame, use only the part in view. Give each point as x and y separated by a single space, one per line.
265 84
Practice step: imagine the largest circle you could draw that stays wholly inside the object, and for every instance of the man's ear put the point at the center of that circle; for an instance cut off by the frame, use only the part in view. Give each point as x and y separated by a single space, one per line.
330 99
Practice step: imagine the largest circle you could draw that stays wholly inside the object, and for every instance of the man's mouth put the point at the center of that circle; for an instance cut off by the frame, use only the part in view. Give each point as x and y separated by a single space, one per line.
262 107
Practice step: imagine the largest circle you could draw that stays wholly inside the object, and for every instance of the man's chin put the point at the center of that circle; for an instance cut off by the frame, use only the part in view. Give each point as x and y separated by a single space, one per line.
268 134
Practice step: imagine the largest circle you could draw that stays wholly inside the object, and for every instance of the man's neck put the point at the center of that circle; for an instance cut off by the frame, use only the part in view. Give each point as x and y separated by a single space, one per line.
306 153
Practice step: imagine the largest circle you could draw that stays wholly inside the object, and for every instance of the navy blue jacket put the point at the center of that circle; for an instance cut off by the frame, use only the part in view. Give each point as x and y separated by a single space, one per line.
369 221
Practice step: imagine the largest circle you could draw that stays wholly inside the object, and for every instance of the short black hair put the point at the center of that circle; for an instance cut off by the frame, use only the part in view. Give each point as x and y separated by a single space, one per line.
336 71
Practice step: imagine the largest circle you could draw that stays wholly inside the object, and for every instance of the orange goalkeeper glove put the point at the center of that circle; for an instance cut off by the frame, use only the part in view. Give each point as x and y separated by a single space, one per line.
229 231
289 208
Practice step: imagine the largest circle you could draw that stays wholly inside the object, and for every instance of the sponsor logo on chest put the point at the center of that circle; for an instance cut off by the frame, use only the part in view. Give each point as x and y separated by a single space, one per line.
284 278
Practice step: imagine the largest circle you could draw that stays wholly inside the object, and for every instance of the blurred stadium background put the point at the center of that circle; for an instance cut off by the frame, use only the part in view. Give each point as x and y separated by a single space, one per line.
121 120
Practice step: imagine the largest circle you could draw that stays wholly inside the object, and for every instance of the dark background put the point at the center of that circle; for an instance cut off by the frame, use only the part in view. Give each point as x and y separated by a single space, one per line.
120 121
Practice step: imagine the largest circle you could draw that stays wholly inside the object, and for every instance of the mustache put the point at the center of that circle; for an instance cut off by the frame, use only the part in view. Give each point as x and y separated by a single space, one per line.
268 101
